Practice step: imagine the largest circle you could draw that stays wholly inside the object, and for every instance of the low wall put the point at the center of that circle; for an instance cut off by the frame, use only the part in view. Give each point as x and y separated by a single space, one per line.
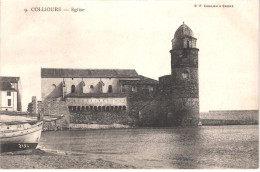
101 117
140 113
243 117
96 126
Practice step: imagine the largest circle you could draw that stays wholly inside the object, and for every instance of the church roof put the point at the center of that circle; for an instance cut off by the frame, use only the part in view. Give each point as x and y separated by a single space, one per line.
143 81
147 80
183 31
88 73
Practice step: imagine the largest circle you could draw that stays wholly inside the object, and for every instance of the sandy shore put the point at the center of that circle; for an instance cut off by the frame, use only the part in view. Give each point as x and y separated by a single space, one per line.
38 159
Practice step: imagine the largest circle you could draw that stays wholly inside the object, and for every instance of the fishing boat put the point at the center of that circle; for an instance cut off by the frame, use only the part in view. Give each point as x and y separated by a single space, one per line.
19 131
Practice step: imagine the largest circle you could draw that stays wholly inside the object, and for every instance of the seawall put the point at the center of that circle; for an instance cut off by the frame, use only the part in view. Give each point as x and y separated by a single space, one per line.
141 113
232 117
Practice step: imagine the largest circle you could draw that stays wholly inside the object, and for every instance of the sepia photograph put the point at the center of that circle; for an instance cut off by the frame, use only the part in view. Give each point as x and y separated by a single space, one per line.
129 84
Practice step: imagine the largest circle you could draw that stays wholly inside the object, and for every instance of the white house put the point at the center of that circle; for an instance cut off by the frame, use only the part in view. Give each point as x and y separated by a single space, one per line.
10 94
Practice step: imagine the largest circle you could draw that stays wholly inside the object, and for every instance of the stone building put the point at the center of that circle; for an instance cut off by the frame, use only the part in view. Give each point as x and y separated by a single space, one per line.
10 94
93 89
180 90
32 106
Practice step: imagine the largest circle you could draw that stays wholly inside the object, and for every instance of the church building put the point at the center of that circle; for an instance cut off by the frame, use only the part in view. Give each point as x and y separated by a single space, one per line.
93 89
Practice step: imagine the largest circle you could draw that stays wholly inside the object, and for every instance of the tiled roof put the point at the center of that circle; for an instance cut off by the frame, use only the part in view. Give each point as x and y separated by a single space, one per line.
183 31
147 80
9 79
87 73
5 83
6 86
143 80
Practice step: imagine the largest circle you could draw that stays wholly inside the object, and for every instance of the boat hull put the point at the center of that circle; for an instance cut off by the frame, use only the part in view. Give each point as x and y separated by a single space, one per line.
12 147
22 139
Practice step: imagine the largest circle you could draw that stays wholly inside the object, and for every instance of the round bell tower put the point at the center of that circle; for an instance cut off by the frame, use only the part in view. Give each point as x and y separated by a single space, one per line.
180 90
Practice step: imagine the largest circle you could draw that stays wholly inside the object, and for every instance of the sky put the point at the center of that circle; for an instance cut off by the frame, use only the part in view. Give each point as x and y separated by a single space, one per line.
135 35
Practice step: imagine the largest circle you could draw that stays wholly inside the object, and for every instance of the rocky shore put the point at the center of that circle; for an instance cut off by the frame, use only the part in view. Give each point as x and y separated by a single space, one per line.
38 159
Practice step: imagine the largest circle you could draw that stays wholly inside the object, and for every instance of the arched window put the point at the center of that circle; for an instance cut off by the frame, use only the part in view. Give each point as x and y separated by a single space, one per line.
91 86
185 74
53 86
110 89
188 44
73 89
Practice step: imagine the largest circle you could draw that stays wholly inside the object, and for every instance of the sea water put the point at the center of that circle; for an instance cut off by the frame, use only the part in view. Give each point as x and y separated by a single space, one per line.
207 147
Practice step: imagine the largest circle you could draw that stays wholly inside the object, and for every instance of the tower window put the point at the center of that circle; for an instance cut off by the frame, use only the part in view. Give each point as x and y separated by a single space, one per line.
8 93
188 44
185 75
110 89
73 89
195 61
91 86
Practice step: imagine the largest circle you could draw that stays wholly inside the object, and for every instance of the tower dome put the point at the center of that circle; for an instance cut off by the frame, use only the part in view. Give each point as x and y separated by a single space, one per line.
183 38
183 31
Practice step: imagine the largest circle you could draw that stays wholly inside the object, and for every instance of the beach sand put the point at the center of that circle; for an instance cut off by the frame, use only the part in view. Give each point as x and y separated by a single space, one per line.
38 159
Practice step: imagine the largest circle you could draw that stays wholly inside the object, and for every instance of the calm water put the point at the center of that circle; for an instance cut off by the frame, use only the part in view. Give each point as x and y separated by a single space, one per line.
202 147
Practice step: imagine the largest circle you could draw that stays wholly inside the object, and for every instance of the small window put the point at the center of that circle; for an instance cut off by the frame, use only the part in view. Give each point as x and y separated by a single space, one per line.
110 89
73 89
195 61
185 75
53 86
8 93
9 102
91 86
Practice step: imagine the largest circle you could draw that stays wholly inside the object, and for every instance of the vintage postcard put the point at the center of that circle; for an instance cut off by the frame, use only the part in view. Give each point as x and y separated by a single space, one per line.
133 84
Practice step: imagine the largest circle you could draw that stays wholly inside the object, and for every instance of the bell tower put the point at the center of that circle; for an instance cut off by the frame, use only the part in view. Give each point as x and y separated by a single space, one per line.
180 90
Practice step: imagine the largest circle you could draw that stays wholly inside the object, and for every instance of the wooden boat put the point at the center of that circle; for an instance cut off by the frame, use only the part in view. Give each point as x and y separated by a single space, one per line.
20 134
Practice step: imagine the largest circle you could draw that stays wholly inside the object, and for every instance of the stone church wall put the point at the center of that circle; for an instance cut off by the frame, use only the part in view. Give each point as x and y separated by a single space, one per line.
102 118
147 108
52 87
148 113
